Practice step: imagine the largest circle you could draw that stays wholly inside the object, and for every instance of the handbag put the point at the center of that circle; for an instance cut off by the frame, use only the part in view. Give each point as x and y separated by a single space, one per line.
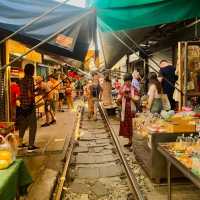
165 102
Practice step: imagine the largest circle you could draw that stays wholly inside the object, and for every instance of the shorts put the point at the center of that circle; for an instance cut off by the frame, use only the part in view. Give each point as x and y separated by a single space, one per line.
53 105
47 106
61 96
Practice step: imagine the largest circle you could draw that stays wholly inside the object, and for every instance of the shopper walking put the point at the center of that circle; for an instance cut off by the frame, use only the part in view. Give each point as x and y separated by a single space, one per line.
154 94
136 84
135 80
61 96
96 92
107 92
88 95
27 112
78 87
68 93
168 79
54 94
127 97
47 93
56 86
117 86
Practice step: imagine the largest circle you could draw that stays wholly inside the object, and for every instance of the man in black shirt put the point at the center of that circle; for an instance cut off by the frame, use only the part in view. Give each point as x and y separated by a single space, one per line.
169 78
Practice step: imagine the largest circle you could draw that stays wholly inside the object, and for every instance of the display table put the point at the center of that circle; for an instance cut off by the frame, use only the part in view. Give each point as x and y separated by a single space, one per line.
182 166
14 180
146 152
153 162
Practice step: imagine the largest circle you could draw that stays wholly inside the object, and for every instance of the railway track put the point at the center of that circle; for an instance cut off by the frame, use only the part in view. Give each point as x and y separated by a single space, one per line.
95 166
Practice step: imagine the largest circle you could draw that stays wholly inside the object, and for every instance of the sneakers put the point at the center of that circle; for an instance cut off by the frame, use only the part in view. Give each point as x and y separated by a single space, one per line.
32 148
23 145
45 125
53 122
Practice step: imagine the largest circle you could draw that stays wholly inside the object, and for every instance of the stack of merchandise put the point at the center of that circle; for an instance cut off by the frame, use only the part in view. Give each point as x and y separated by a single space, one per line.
187 151
168 122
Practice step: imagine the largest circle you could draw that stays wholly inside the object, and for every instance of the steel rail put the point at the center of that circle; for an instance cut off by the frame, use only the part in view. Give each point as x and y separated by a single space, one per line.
48 38
134 185
33 21
68 156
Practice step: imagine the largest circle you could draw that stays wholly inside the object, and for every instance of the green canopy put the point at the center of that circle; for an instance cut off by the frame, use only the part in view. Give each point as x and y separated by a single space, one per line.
134 14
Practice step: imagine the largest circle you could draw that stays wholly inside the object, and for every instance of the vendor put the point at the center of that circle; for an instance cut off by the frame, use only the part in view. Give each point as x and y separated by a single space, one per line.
154 94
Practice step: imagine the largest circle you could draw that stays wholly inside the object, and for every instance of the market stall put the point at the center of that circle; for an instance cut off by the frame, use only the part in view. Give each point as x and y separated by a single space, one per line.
153 130
184 155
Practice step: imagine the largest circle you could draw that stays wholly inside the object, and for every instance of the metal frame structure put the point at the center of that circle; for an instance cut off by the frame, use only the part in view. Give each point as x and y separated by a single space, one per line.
173 161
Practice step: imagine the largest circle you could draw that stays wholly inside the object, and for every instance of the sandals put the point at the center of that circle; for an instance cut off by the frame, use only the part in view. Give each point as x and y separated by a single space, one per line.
128 145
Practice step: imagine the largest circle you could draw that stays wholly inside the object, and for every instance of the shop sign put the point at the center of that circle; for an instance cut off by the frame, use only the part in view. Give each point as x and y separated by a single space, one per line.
64 41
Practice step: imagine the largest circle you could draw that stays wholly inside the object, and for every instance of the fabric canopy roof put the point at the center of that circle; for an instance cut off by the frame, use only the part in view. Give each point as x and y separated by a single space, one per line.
114 49
137 18
73 42
134 14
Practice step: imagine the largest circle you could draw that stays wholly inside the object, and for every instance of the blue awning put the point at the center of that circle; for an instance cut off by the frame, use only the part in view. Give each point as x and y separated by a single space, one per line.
76 38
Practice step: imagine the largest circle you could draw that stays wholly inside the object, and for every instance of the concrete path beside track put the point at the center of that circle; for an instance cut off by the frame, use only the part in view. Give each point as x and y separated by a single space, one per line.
46 163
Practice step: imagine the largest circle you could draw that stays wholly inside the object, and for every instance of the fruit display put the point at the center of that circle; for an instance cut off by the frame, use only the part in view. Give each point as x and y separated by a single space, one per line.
141 122
187 153
167 122
6 159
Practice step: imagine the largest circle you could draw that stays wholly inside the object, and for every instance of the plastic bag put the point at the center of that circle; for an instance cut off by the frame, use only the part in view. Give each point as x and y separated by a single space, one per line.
7 150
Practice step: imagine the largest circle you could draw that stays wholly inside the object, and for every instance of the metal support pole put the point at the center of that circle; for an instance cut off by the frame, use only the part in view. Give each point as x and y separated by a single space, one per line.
169 180
146 72
185 72
100 36
33 21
